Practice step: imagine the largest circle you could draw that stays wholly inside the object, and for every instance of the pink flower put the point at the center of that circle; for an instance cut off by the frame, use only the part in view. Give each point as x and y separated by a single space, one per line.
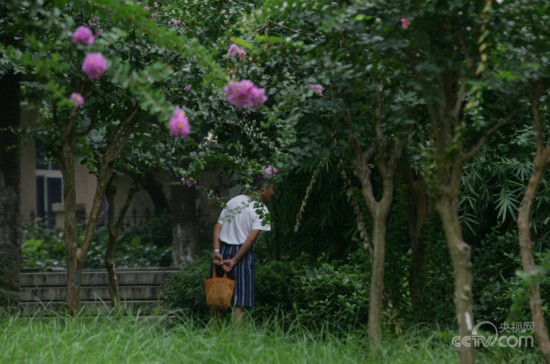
318 89
179 124
155 5
77 99
147 8
175 22
244 93
83 35
189 182
405 22
270 170
99 32
188 88
94 65
235 51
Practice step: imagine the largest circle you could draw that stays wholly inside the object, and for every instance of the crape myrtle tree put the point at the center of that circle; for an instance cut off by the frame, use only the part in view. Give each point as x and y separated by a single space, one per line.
100 86
449 54
524 46
148 149
442 49
10 111
343 98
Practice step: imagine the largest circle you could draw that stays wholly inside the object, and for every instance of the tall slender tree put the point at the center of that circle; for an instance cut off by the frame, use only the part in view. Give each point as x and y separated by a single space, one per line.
10 119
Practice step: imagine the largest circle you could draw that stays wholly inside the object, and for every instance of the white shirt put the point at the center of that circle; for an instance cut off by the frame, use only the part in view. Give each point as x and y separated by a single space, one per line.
239 217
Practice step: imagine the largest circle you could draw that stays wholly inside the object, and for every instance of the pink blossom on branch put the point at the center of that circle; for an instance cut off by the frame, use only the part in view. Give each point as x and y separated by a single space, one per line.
315 87
244 93
94 65
235 51
405 22
83 35
179 124
270 170
77 99
190 182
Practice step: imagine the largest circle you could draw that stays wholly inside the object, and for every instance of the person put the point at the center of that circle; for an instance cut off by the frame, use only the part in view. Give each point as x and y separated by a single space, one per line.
235 233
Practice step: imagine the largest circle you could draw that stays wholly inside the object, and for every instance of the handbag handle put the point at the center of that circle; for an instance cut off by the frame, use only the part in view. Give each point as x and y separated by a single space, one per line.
214 275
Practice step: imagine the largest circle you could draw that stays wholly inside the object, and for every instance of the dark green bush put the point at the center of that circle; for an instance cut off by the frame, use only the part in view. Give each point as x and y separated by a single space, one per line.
43 246
495 262
332 293
184 291
317 293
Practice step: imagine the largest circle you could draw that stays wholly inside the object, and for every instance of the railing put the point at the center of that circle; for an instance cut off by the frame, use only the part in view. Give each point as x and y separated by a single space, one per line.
139 288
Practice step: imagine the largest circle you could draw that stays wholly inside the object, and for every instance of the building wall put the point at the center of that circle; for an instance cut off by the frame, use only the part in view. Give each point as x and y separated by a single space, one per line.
85 183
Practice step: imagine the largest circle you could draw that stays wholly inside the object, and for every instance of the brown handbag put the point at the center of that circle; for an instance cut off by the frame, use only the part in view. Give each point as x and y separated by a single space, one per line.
219 290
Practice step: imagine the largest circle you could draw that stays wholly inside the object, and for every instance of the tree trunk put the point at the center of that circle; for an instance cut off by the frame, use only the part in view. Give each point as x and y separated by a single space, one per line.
110 194
72 252
447 207
526 248
10 216
76 254
185 240
377 279
417 212
114 229
379 210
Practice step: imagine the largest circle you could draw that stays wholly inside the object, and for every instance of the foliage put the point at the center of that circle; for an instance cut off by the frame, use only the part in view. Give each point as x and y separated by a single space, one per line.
43 246
297 289
332 290
184 291
489 53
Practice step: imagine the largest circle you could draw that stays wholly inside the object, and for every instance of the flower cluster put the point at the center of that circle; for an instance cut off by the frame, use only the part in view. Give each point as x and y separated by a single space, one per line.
235 51
244 93
77 99
318 89
270 170
190 182
179 124
405 22
94 66
83 35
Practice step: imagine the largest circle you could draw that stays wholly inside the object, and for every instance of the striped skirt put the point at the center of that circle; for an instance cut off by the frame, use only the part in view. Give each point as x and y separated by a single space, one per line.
243 274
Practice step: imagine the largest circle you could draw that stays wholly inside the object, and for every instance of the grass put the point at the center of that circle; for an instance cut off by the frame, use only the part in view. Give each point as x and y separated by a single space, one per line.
135 339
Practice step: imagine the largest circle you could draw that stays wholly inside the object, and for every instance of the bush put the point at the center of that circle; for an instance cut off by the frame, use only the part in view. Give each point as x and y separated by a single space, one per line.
184 291
43 246
317 295
334 294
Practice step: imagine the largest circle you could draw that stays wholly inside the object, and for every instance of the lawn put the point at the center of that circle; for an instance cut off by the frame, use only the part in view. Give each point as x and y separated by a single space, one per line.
135 339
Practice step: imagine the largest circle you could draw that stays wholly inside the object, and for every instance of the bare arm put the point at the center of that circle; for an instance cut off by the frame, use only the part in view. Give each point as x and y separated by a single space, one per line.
228 264
217 257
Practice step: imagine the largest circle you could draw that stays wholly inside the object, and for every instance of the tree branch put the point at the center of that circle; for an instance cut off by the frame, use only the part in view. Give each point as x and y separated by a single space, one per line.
481 141
535 107
88 129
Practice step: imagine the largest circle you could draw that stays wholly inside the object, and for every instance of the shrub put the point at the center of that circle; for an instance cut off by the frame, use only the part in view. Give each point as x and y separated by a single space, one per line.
318 295
43 246
334 294
184 291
